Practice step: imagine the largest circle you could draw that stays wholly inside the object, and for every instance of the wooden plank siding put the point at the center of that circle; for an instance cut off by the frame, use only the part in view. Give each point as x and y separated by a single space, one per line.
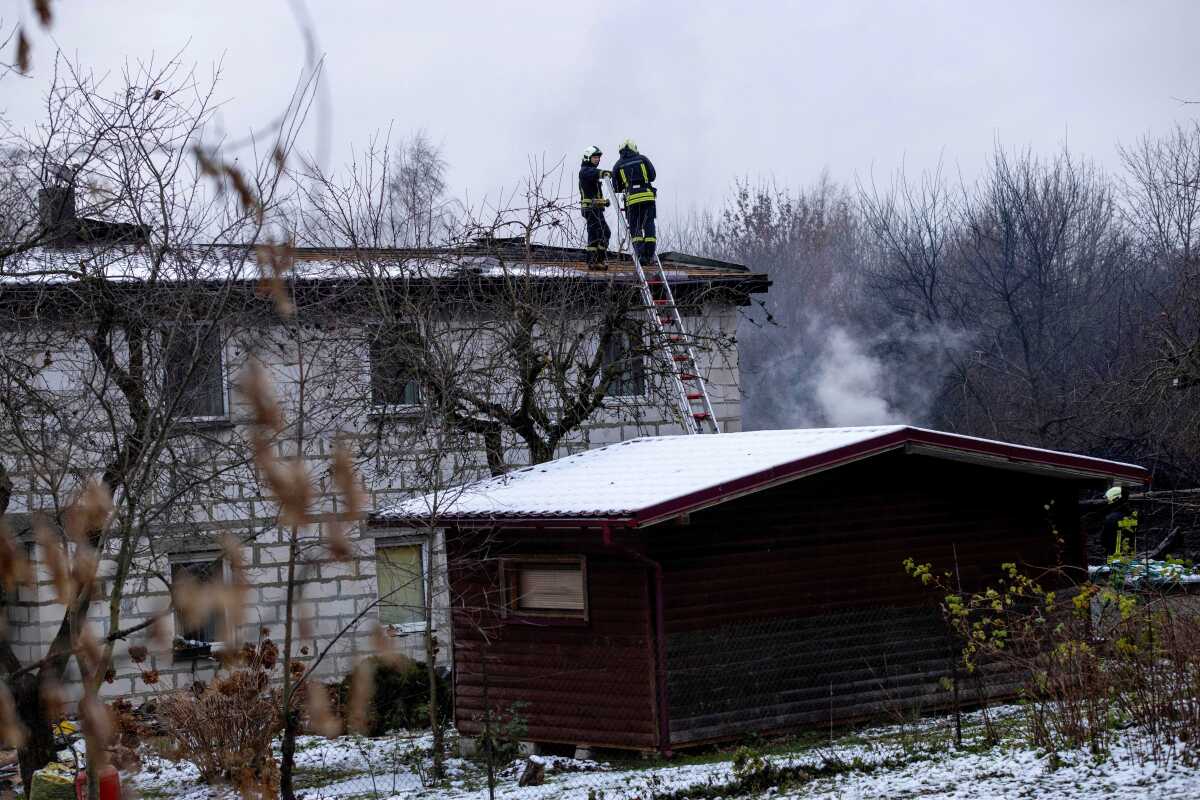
790 607
784 608
580 683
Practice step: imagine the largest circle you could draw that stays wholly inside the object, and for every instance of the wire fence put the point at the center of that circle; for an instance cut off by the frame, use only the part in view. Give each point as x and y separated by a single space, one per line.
724 684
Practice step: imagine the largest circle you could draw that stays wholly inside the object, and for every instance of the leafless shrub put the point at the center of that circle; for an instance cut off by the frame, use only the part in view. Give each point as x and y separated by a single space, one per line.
226 729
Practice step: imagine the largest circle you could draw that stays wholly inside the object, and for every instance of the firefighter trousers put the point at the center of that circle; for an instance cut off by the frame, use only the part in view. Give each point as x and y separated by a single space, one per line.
641 229
598 234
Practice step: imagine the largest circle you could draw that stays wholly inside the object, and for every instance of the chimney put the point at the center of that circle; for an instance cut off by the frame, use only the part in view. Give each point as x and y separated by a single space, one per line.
56 203
56 207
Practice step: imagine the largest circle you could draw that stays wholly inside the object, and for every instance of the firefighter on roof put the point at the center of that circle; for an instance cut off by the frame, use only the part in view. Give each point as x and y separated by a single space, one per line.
592 202
632 175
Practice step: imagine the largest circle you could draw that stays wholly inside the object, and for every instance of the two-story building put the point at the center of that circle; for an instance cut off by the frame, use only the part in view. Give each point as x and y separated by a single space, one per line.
121 359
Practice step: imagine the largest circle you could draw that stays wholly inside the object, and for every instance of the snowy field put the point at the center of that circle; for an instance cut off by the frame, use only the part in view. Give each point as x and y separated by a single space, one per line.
884 762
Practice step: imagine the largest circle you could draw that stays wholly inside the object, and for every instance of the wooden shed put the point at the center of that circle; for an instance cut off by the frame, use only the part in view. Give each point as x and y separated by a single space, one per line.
670 591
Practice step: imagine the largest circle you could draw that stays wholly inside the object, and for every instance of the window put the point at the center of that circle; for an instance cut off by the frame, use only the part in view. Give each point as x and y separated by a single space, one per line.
549 586
400 569
392 380
192 370
193 583
624 350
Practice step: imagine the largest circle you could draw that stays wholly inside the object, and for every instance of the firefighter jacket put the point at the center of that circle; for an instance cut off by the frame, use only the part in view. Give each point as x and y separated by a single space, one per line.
632 174
591 194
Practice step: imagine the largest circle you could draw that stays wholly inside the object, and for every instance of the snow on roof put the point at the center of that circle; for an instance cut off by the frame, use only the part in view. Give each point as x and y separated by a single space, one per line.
645 480
58 265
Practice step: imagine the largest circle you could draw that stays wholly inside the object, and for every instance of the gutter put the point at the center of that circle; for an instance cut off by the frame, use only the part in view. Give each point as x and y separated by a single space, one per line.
659 648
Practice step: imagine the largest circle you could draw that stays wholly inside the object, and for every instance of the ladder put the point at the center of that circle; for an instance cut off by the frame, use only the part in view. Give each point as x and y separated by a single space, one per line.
673 342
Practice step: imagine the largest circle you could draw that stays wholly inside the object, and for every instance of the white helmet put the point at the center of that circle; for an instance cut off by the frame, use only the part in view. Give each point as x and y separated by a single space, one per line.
1114 494
591 151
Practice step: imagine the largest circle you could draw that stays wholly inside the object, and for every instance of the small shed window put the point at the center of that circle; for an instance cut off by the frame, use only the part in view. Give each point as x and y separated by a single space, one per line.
550 586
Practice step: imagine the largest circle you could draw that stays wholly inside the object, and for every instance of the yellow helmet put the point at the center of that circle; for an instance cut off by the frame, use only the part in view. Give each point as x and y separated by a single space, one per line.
1114 494
630 145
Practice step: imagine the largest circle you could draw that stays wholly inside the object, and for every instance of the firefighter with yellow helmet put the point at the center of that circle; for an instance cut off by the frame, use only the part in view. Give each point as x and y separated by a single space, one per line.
632 176
1118 536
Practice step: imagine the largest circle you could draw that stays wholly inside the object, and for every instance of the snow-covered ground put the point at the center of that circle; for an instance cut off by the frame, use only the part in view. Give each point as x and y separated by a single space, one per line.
884 762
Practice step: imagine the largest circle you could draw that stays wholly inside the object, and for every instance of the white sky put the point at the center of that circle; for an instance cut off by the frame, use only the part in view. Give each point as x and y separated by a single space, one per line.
710 90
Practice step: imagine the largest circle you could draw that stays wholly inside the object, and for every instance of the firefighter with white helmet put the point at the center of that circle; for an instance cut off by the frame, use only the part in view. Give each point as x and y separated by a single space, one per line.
592 202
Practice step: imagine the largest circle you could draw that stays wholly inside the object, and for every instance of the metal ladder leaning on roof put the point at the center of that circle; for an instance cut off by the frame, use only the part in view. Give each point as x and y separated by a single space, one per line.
673 343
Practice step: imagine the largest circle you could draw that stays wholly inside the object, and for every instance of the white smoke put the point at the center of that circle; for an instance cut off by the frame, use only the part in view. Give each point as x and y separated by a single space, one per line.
818 373
848 384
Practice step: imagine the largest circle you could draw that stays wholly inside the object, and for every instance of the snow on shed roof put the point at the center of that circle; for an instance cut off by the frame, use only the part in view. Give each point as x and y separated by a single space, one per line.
645 480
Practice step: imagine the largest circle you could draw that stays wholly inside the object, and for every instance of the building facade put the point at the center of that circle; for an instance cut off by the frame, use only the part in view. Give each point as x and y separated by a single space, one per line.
111 349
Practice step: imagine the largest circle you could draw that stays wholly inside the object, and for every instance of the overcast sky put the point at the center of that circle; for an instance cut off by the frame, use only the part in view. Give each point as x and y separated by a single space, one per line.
710 90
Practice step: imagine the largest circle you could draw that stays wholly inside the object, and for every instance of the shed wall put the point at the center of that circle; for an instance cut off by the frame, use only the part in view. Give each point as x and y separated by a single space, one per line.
579 683
791 607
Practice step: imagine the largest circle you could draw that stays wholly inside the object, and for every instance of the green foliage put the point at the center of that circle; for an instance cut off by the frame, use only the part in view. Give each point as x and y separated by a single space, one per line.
401 698
986 621
1094 656
751 770
502 732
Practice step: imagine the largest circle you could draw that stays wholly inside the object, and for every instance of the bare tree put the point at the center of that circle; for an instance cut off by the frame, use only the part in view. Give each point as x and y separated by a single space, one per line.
499 333
1162 209
810 242
113 319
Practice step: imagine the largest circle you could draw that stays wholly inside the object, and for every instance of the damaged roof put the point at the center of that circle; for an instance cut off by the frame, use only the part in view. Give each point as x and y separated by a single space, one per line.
646 480
227 262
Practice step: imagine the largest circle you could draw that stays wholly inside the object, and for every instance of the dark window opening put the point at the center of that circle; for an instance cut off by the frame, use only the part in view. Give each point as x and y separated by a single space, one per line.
193 372
624 349
195 585
393 378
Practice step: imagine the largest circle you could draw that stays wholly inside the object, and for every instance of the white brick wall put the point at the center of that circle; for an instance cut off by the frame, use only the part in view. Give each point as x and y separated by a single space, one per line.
234 501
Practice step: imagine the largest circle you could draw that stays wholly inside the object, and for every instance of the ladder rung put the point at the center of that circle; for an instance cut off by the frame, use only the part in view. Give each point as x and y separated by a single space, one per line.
677 342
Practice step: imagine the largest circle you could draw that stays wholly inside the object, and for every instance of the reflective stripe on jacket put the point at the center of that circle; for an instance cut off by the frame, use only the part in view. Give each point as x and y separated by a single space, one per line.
633 174
591 195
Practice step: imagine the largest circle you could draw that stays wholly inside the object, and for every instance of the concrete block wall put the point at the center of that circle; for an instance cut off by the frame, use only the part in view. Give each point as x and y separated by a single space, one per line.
337 596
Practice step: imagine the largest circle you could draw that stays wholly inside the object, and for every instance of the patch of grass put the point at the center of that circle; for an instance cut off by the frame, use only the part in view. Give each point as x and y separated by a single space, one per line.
158 793
783 778
316 777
